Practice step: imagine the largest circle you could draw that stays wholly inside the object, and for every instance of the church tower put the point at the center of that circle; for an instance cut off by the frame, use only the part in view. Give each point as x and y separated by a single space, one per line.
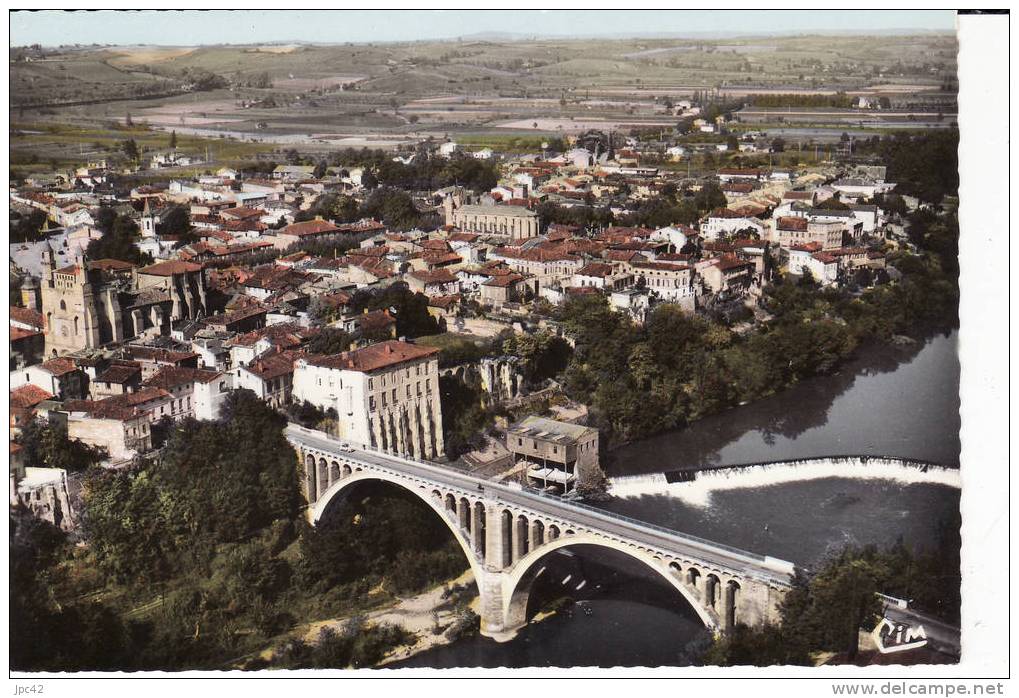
148 221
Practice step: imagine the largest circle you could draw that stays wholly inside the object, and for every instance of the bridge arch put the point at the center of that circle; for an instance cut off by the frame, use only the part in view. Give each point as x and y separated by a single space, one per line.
519 580
336 491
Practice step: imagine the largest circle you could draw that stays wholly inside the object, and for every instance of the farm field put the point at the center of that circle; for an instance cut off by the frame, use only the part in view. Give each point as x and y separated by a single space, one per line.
257 98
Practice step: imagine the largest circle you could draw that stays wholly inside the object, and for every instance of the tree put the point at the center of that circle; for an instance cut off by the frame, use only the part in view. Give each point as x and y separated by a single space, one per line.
48 445
173 140
28 228
369 180
330 340
320 169
176 221
130 149
118 243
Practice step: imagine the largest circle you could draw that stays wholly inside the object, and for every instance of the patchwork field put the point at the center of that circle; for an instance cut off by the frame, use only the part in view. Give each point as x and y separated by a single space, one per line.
386 95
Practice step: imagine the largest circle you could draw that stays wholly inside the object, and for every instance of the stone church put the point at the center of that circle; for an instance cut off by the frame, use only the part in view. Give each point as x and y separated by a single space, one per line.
90 304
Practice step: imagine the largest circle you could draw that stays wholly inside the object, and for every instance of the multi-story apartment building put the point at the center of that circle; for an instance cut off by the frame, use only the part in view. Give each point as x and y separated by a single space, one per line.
385 395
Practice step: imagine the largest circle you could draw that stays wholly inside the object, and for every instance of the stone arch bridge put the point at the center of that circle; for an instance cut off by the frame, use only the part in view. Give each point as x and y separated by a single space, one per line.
505 531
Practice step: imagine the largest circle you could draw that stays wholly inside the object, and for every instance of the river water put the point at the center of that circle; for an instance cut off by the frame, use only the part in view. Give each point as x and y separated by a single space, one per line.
891 401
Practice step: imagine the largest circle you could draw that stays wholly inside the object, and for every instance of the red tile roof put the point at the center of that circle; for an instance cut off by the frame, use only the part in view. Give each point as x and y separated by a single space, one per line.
315 227
19 333
170 268
792 223
28 396
272 365
374 357
598 269
170 377
59 366
27 316
438 276
120 372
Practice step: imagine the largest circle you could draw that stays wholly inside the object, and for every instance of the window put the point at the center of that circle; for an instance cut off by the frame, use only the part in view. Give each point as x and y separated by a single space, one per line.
520 442
394 396
408 390
371 402
555 449
370 384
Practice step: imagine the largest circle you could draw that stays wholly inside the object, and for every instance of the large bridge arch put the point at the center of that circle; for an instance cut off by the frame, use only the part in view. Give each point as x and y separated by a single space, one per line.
518 582
338 489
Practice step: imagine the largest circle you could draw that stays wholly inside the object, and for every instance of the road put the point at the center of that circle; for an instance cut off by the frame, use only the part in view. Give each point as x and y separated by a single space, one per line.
583 516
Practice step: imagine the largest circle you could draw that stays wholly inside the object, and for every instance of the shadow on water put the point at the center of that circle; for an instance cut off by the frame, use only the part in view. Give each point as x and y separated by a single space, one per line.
610 611
890 400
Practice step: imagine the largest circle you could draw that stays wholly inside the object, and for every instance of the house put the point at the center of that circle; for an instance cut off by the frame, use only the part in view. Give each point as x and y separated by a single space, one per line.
270 376
27 338
385 396
554 453
294 233
722 222
119 377
440 282
192 392
727 274
507 288
60 377
114 424
599 275
153 359
667 281
824 268
729 174
634 302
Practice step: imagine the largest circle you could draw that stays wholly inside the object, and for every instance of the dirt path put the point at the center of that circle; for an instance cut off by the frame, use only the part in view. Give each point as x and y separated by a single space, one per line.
414 614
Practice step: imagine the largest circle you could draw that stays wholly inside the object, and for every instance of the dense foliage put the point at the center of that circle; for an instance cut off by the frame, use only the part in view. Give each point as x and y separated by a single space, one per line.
826 608
423 173
28 227
925 165
120 234
677 368
203 556
47 445
409 307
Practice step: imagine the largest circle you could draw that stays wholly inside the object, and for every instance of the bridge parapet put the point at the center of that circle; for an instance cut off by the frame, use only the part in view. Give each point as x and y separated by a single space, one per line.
506 530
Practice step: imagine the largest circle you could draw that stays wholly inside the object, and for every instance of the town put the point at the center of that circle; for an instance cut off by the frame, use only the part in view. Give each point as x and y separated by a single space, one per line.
239 280
216 344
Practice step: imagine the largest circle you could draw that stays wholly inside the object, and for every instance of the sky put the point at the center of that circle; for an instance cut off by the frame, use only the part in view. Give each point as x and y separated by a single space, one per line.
194 27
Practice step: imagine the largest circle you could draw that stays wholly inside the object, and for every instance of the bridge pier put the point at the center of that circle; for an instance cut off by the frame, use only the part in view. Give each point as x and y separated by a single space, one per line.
505 533
496 623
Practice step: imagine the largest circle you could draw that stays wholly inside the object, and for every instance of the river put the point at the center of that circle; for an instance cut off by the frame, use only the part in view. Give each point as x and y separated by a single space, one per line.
890 401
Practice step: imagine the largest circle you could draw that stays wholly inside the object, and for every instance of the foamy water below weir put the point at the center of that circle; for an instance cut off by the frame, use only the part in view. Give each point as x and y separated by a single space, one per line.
698 491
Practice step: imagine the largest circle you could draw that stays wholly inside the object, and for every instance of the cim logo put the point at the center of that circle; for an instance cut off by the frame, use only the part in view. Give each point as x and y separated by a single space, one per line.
890 636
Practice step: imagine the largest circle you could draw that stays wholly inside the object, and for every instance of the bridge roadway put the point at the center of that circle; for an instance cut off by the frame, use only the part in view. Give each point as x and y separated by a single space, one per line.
763 567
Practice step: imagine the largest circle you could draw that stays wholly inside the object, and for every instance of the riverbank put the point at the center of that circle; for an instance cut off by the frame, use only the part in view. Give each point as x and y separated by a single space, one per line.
889 401
418 615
